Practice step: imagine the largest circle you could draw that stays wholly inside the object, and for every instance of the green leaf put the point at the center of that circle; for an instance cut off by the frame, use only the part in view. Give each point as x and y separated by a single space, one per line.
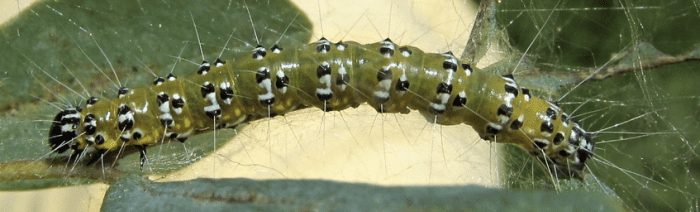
137 194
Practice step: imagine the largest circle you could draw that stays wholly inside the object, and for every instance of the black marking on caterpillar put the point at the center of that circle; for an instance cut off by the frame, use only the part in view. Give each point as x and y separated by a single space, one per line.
330 77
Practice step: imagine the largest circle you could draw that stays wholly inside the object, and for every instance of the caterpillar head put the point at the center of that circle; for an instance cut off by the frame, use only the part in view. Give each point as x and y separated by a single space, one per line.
63 129
570 160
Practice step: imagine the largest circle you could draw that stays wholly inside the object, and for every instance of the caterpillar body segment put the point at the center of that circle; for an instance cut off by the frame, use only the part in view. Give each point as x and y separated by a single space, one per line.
329 76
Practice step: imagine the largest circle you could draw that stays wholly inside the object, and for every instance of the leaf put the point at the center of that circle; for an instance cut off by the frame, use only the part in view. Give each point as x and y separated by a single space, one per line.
138 194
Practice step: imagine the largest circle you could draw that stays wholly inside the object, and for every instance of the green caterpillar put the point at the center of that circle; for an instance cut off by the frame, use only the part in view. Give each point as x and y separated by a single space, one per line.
329 76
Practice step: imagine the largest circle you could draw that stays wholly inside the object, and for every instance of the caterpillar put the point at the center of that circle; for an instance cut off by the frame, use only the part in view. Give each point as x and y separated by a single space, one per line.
329 76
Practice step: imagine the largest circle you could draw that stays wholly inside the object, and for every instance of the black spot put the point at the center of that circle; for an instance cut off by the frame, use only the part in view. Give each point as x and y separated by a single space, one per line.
213 114
384 74
449 65
343 79
323 46
173 136
466 66
583 155
558 138
282 82
402 85
324 97
158 81
182 140
551 113
171 77
262 75
547 127
504 110
384 50
128 123
276 48
511 90
226 93
89 129
123 109
219 62
564 153
123 91
166 122
266 102
207 88
459 101
92 100
323 70
516 125
99 139
564 117
162 98
444 88
178 103
492 130
204 68
406 50
259 51
525 91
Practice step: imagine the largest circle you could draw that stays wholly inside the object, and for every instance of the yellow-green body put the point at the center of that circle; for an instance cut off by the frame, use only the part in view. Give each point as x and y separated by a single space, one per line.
484 92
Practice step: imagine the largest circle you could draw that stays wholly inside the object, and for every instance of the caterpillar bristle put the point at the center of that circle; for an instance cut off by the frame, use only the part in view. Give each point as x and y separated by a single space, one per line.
142 155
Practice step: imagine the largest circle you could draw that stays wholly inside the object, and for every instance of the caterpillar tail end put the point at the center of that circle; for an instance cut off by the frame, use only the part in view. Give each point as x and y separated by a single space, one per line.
63 129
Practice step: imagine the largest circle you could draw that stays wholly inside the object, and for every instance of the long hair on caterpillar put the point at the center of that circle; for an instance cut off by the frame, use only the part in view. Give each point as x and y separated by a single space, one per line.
588 98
